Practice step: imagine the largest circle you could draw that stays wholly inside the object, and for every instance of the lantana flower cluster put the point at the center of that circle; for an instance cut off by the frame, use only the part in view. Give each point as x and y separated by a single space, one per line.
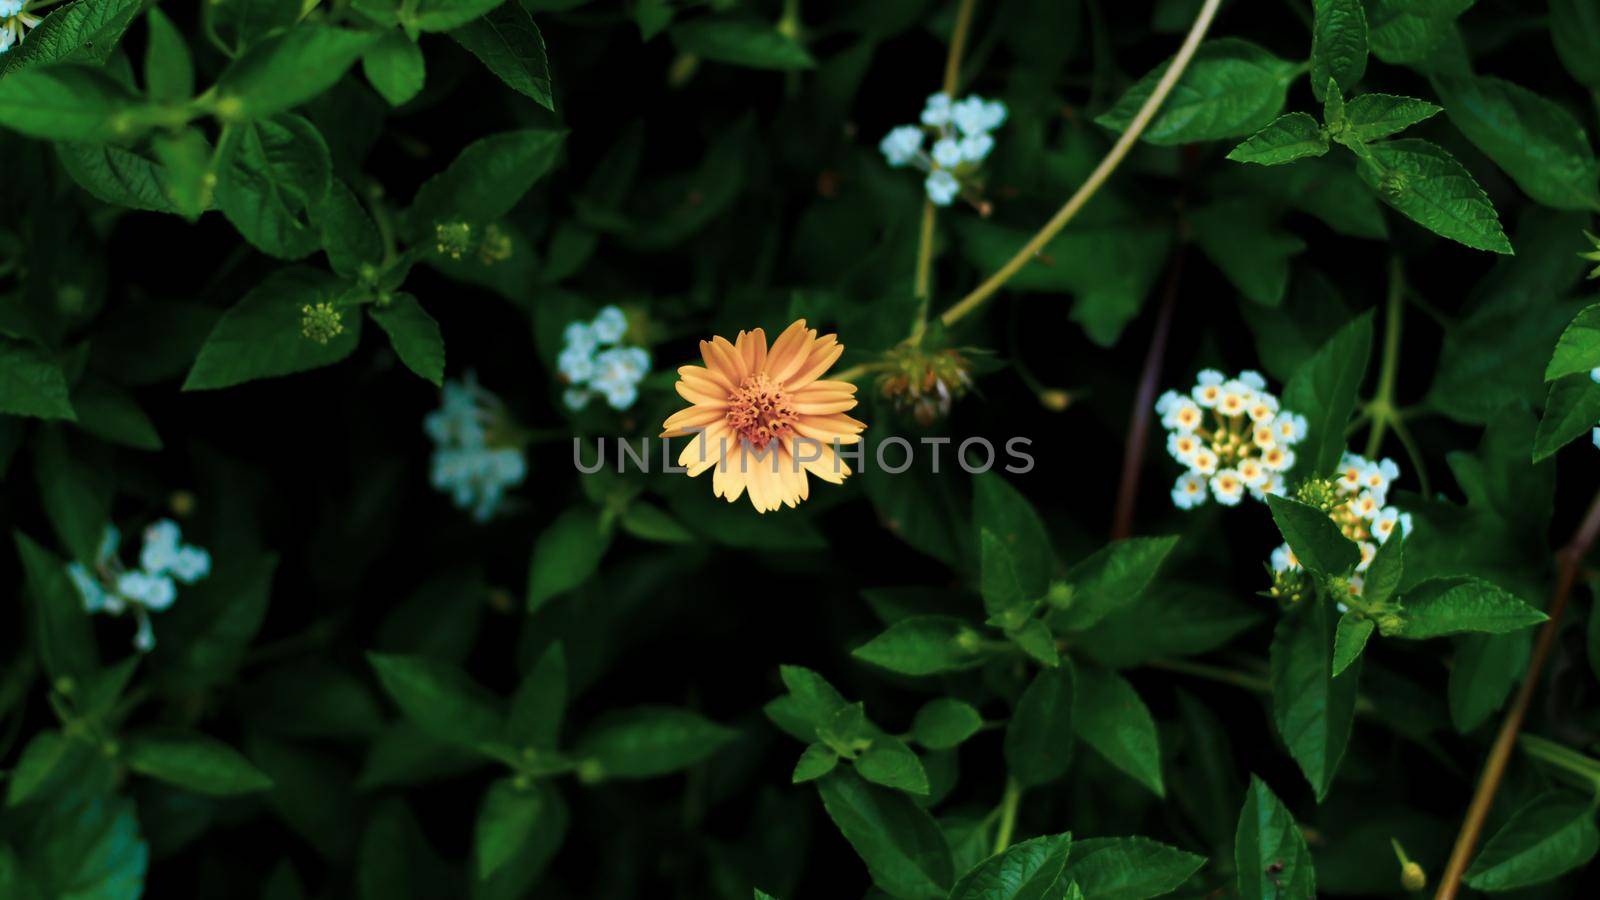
962 133
1357 501
476 455
15 20
164 562
594 361
1232 435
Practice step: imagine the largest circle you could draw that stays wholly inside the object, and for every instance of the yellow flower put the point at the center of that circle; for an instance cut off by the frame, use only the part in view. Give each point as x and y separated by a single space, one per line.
763 418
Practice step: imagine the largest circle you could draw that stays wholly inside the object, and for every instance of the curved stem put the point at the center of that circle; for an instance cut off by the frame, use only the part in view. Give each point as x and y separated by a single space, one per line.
1097 178
1382 405
1143 400
1571 561
1009 803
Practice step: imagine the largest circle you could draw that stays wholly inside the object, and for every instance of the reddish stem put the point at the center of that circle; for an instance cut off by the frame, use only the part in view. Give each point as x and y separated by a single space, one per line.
1144 401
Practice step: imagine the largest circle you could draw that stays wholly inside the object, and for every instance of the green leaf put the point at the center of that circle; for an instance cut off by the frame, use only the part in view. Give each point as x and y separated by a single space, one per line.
441 699
83 31
815 761
168 68
195 762
1232 88
1038 743
1441 606
75 496
506 820
414 335
1484 671
1035 639
1575 29
1428 186
1325 389
32 383
63 635
741 41
923 645
1269 851
278 171
1571 410
69 103
1370 117
647 741
1404 32
1350 639
944 723
259 337
649 522
567 553
1111 579
904 850
394 67
999 508
1128 868
1314 538
1578 348
348 234
539 702
85 846
45 762
443 15
1289 137
1553 834
288 69
1244 238
1168 620
1108 715
509 44
1338 44
115 175
1313 710
1030 870
185 175
889 762
1537 142
486 180
241 23
1383 575
1003 598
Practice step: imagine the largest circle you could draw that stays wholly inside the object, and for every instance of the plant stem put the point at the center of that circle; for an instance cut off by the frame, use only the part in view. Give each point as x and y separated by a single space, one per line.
1570 560
1585 768
922 287
1382 406
1009 802
1097 178
1143 400
1244 680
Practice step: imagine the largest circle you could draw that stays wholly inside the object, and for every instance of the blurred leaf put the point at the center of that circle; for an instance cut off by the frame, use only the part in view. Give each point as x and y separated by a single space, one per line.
647 741
944 723
1539 144
195 762
923 645
439 698
740 41
1551 835
394 67
31 383
1232 88
506 820
1575 29
288 69
567 553
1108 715
64 640
168 68
539 703
1038 742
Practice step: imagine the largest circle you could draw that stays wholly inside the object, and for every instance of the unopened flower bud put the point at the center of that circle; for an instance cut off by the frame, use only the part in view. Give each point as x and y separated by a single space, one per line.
321 322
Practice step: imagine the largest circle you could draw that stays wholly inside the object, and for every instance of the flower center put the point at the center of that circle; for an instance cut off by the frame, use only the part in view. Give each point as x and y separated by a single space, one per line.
760 412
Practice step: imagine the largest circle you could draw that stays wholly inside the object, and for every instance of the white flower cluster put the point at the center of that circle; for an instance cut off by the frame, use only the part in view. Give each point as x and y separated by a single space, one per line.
14 22
962 140
1232 436
1363 516
593 361
469 463
112 588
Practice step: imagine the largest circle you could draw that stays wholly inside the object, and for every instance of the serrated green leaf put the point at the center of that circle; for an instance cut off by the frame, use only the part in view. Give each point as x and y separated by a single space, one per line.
999 508
1128 868
1030 870
1232 88
903 848
1550 836
923 645
414 335
1038 742
486 180
1317 542
1537 142
1289 137
509 44
1313 710
82 31
889 762
1442 606
1325 389
1578 348
1429 187
1338 44
1571 410
1350 639
260 337
1108 715
1111 579
276 175
1270 853
1370 117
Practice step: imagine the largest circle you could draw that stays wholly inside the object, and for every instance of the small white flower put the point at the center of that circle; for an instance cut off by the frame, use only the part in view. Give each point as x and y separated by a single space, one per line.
1290 427
942 187
1594 374
579 335
1252 473
94 596
1183 447
577 364
150 591
975 148
1595 436
1253 379
1183 415
1355 586
1368 551
1263 409
621 395
576 398
1366 505
936 113
1264 437
1273 485
1283 559
1208 389
1227 487
9 8
947 153
1166 401
1384 522
1204 461
1230 402
901 145
1405 525
1278 459
609 325
1189 491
